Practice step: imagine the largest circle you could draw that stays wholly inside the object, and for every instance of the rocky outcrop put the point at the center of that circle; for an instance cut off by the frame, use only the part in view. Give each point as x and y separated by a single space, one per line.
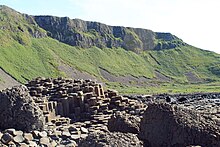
18 110
167 41
175 126
79 100
21 24
86 34
109 139
122 122
81 112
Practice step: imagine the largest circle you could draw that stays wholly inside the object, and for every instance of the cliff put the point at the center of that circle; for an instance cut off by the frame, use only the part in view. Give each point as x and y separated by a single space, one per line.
86 34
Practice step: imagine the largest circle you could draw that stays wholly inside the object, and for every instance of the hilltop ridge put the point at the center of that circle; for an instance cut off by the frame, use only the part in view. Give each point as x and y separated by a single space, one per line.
122 57
86 34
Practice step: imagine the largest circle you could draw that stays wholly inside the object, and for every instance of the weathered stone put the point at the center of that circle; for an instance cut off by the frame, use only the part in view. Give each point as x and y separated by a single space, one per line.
19 133
82 136
66 134
18 139
42 134
32 144
26 114
165 124
45 141
6 138
11 131
84 130
53 143
28 136
124 123
110 139
75 136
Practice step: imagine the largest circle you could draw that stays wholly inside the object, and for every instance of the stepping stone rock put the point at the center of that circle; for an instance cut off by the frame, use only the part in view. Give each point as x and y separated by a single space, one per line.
18 133
42 134
19 139
53 143
75 137
83 136
32 144
6 138
66 134
45 141
28 136
23 145
11 131
84 130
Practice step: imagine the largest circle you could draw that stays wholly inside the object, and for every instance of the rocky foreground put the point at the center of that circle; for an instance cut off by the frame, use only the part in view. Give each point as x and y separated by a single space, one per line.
67 112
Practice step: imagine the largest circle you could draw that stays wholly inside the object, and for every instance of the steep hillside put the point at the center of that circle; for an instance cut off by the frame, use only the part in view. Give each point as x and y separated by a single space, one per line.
123 58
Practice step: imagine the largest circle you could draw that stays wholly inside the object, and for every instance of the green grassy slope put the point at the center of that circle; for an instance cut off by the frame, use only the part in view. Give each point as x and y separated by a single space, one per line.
26 53
176 62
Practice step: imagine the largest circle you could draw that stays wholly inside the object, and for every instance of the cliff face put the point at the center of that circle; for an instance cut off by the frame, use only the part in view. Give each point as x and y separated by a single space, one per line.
86 34
20 25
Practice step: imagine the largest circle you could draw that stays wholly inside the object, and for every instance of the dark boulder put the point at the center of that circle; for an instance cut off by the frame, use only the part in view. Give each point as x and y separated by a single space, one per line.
173 126
18 110
124 123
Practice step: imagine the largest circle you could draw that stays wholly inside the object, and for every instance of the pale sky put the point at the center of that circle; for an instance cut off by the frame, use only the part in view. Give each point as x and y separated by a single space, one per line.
197 22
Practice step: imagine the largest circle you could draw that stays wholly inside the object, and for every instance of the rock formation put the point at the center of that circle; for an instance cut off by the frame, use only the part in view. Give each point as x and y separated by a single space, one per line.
122 122
18 110
79 99
83 113
72 110
175 126
86 34
109 139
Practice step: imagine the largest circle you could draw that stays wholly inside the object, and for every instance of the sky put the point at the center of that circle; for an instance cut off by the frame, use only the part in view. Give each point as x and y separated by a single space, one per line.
195 21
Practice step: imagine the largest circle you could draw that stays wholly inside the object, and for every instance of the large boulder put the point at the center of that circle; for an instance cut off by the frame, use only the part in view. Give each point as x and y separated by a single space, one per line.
165 125
110 139
18 110
125 123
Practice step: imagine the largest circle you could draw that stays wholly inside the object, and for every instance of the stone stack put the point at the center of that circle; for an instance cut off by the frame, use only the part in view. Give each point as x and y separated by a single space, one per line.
72 110
79 100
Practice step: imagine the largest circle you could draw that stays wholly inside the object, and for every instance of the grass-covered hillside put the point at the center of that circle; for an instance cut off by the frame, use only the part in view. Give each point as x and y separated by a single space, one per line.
27 52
